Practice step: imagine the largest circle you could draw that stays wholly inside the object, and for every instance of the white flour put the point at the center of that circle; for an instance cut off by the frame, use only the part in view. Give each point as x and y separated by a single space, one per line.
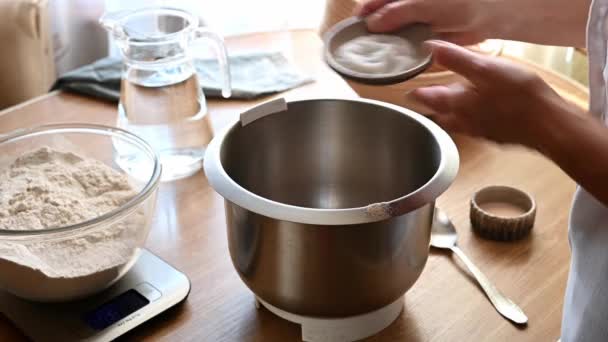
381 210
377 54
46 189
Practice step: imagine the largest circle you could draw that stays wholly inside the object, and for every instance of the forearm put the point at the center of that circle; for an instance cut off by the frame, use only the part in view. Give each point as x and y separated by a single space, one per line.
549 22
579 145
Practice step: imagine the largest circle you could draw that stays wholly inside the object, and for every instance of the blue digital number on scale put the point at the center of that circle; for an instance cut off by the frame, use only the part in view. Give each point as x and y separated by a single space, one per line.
115 310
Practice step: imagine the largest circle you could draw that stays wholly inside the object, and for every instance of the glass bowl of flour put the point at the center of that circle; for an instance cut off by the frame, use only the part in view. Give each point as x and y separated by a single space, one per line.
76 204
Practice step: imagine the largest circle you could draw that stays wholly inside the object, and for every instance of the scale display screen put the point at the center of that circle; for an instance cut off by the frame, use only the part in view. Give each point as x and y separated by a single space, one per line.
116 309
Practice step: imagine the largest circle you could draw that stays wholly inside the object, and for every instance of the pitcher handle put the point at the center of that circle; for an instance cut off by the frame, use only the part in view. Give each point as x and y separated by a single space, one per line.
222 56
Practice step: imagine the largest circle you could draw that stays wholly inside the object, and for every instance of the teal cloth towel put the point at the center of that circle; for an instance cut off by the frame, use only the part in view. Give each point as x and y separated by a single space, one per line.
253 75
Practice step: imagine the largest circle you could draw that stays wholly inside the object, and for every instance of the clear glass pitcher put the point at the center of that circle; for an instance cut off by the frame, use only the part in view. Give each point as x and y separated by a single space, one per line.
161 99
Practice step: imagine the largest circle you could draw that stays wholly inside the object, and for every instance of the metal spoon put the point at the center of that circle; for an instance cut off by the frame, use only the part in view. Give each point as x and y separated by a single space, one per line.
443 235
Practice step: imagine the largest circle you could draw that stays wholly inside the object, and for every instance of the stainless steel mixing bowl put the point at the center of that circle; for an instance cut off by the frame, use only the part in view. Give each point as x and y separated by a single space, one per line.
329 203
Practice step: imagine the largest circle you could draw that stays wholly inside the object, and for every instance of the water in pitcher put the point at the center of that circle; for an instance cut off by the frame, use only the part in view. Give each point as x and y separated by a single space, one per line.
172 118
160 97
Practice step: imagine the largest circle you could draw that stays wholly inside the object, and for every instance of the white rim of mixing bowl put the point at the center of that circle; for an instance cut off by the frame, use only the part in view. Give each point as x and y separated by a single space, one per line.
110 216
443 177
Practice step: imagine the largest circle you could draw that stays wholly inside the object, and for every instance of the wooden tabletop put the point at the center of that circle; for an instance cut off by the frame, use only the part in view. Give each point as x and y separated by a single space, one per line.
444 304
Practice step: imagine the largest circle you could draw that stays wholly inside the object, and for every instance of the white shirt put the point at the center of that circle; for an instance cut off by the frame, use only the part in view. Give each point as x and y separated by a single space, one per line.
586 303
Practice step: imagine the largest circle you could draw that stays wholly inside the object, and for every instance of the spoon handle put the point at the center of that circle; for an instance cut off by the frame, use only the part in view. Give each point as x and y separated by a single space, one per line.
502 304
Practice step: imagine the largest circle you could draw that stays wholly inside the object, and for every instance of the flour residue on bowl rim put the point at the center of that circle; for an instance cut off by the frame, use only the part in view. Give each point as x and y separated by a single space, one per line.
380 211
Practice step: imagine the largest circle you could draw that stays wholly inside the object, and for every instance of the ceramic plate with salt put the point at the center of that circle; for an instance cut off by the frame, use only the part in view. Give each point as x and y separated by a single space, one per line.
367 57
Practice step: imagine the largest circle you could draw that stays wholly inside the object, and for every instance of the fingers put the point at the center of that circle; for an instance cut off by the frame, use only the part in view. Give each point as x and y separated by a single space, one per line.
444 99
365 8
469 64
450 123
450 104
461 38
395 15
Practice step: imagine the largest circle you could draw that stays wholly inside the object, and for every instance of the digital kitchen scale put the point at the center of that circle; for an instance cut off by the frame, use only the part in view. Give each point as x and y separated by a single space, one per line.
149 288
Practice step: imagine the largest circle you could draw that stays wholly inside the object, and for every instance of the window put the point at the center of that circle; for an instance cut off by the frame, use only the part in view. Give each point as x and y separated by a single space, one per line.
232 17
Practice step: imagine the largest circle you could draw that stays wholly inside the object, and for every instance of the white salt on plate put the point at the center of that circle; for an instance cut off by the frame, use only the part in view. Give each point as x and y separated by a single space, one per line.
377 54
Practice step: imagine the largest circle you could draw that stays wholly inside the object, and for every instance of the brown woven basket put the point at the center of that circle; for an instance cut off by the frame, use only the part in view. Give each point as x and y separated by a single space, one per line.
337 10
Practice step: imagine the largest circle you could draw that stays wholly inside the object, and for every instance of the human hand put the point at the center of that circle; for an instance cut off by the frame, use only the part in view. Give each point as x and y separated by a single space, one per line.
459 21
501 101
465 22
507 104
